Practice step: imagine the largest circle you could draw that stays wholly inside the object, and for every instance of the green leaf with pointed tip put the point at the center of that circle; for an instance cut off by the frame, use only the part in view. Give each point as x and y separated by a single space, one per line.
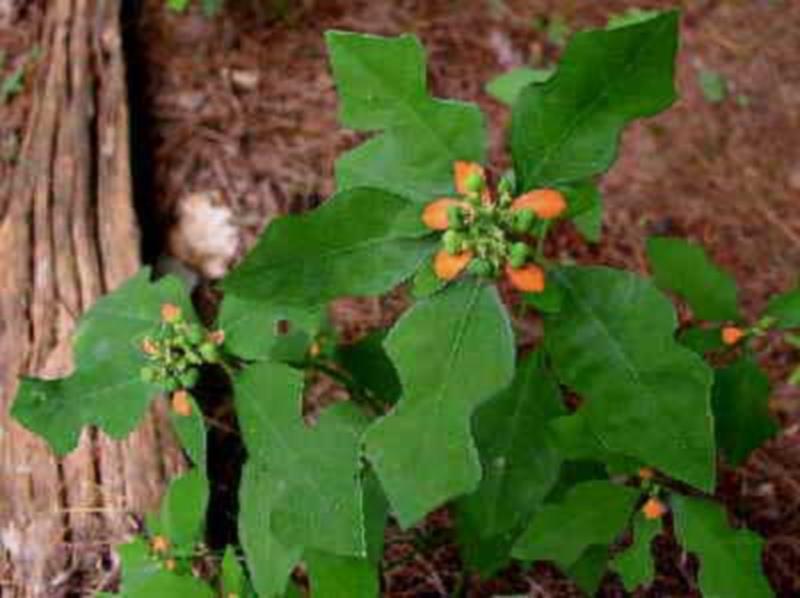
519 458
334 576
507 87
635 565
568 128
105 389
589 570
452 351
316 499
632 16
360 242
786 309
741 411
591 513
518 454
269 561
251 327
381 85
730 560
647 396
144 576
685 269
233 579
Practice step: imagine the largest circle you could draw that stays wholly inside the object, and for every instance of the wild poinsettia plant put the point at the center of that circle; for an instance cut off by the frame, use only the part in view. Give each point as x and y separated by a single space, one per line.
442 409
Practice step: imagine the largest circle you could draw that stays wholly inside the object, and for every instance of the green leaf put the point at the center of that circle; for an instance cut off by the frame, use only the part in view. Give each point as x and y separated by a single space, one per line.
786 309
233 578
507 87
519 458
590 569
178 5
425 282
635 565
548 301
269 561
452 352
360 242
105 389
647 396
590 222
568 128
144 576
315 492
730 560
381 85
591 513
714 85
334 576
251 327
741 410
701 340
366 361
685 269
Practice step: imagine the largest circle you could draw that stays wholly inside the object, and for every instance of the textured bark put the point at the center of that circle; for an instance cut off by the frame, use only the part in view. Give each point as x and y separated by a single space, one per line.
68 234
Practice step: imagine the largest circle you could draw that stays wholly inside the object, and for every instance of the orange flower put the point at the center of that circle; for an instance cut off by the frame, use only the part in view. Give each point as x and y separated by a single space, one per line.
159 544
732 335
217 336
435 213
181 403
149 347
448 266
654 508
529 278
462 171
545 203
170 313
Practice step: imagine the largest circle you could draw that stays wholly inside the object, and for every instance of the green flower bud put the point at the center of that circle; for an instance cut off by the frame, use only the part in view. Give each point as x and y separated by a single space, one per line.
523 221
518 255
209 352
189 378
480 267
452 242
195 334
474 182
455 217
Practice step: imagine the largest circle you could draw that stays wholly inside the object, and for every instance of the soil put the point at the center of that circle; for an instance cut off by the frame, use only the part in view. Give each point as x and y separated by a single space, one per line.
242 107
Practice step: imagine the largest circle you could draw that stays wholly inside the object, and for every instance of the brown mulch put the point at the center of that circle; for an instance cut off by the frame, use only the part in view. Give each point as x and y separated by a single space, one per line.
244 105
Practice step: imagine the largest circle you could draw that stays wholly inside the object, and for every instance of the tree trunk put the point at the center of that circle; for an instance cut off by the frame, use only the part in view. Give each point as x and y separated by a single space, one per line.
68 234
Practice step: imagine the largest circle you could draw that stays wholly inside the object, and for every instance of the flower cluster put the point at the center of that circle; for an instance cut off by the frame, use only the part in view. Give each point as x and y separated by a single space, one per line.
487 236
177 350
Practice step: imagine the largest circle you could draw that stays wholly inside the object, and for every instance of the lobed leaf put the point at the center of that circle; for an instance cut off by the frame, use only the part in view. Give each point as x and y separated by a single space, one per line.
685 269
730 560
519 458
741 411
647 396
311 476
105 388
360 242
568 128
452 351
592 513
381 85
635 565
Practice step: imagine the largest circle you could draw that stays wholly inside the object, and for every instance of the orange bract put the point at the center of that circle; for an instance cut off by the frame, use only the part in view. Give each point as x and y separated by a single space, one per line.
435 213
149 347
217 336
646 473
448 266
732 335
529 278
654 508
545 203
181 403
461 173
170 312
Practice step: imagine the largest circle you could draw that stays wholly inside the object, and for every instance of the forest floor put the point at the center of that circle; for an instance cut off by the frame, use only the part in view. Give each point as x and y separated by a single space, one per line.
236 116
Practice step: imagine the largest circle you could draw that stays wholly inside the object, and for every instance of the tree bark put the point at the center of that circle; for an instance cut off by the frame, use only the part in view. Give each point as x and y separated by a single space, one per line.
68 234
